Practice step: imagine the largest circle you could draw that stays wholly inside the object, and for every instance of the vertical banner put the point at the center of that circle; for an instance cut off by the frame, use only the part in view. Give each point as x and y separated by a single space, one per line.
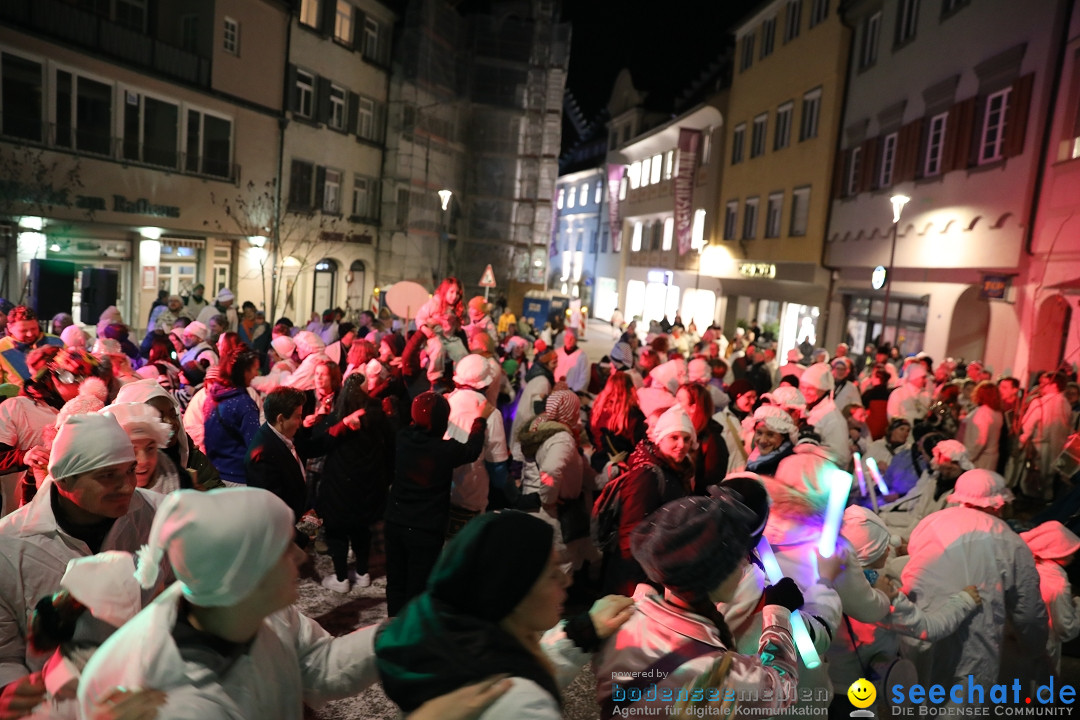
553 246
689 142
614 183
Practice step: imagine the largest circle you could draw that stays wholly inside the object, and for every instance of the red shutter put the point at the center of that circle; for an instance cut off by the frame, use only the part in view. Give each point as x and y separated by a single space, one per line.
907 151
1017 115
959 128
868 171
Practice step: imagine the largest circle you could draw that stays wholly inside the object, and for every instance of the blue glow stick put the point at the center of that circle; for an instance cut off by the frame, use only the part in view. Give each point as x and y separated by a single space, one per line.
807 652
876 474
839 488
859 474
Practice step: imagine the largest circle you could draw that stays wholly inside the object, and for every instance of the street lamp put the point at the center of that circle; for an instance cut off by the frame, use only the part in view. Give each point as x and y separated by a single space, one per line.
444 198
898 203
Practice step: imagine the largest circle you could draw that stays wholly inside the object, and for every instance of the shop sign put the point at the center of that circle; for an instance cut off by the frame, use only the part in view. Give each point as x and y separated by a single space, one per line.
49 195
757 270
877 278
994 287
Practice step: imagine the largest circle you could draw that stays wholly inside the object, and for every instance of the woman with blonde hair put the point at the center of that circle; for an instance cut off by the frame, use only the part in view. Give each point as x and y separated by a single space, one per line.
617 423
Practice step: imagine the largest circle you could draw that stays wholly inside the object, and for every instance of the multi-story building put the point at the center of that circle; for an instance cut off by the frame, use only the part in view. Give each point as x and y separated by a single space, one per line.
787 93
1046 289
950 131
580 212
123 126
337 79
475 110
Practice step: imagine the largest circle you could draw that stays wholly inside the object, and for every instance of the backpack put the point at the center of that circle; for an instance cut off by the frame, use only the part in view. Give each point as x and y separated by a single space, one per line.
607 508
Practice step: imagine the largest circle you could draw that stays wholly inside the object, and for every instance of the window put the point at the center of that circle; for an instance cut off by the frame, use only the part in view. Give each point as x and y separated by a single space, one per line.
599 194
757 140
363 205
888 160
635 174
209 144
343 22
622 188
749 228
309 12
337 107
800 210
635 243
332 192
706 146
657 168
934 140
21 99
993 131
151 130
854 171
189 33
768 37
811 106
365 119
738 140
731 219
371 39
571 198
232 36
871 31
305 94
646 171
818 12
697 231
84 113
907 20
604 239
772 214
559 198
583 194
783 126
131 14
792 20
747 53
669 232
401 215
301 184
669 164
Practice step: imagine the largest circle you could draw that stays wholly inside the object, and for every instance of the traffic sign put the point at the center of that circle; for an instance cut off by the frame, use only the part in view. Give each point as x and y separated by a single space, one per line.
488 278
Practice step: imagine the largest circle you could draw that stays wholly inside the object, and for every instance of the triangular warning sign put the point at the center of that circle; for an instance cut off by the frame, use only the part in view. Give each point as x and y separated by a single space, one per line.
488 278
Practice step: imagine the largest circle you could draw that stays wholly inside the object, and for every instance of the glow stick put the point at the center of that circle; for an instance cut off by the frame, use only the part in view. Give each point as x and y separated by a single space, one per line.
807 652
839 489
859 474
876 474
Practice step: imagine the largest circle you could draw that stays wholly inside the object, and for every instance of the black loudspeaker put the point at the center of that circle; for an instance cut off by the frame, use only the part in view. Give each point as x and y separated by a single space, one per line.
51 284
98 292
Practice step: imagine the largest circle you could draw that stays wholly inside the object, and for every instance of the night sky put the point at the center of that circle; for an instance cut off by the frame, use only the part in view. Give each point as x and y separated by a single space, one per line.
665 43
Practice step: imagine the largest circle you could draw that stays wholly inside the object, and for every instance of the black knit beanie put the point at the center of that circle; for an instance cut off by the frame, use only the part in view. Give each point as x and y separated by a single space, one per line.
431 413
490 566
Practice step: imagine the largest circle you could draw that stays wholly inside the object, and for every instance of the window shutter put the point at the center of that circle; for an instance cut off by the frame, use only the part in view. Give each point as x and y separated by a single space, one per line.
328 12
907 151
353 113
959 129
839 166
1017 115
380 122
294 93
322 100
358 30
320 186
870 160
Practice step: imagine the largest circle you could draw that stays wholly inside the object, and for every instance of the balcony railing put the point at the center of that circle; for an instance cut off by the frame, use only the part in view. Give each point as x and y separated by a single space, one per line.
64 22
29 131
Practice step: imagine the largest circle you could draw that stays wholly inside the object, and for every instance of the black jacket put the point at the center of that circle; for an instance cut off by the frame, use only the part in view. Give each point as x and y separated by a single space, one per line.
357 471
423 472
270 465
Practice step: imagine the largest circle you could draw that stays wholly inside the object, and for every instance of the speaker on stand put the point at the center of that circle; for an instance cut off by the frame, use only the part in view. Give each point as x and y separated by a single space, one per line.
99 291
51 285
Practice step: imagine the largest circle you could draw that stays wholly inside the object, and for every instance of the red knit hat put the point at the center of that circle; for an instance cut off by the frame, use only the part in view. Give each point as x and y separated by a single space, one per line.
431 412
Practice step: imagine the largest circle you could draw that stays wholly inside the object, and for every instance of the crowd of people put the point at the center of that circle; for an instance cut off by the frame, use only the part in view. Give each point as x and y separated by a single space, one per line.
537 511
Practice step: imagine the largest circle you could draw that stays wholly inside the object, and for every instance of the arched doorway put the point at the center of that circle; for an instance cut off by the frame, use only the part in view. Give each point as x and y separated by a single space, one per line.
970 323
1049 334
355 298
322 295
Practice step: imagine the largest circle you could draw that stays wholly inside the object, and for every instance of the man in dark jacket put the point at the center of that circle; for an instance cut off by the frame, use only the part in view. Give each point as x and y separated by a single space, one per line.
272 462
418 509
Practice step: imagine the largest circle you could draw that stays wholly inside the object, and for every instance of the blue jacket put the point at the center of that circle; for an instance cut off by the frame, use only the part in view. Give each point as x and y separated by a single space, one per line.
231 421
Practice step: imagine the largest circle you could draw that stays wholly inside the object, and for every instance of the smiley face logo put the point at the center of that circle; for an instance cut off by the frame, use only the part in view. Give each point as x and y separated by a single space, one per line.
862 693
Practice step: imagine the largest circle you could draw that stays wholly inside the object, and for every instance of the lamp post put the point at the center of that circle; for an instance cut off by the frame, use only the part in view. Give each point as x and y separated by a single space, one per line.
444 198
898 203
